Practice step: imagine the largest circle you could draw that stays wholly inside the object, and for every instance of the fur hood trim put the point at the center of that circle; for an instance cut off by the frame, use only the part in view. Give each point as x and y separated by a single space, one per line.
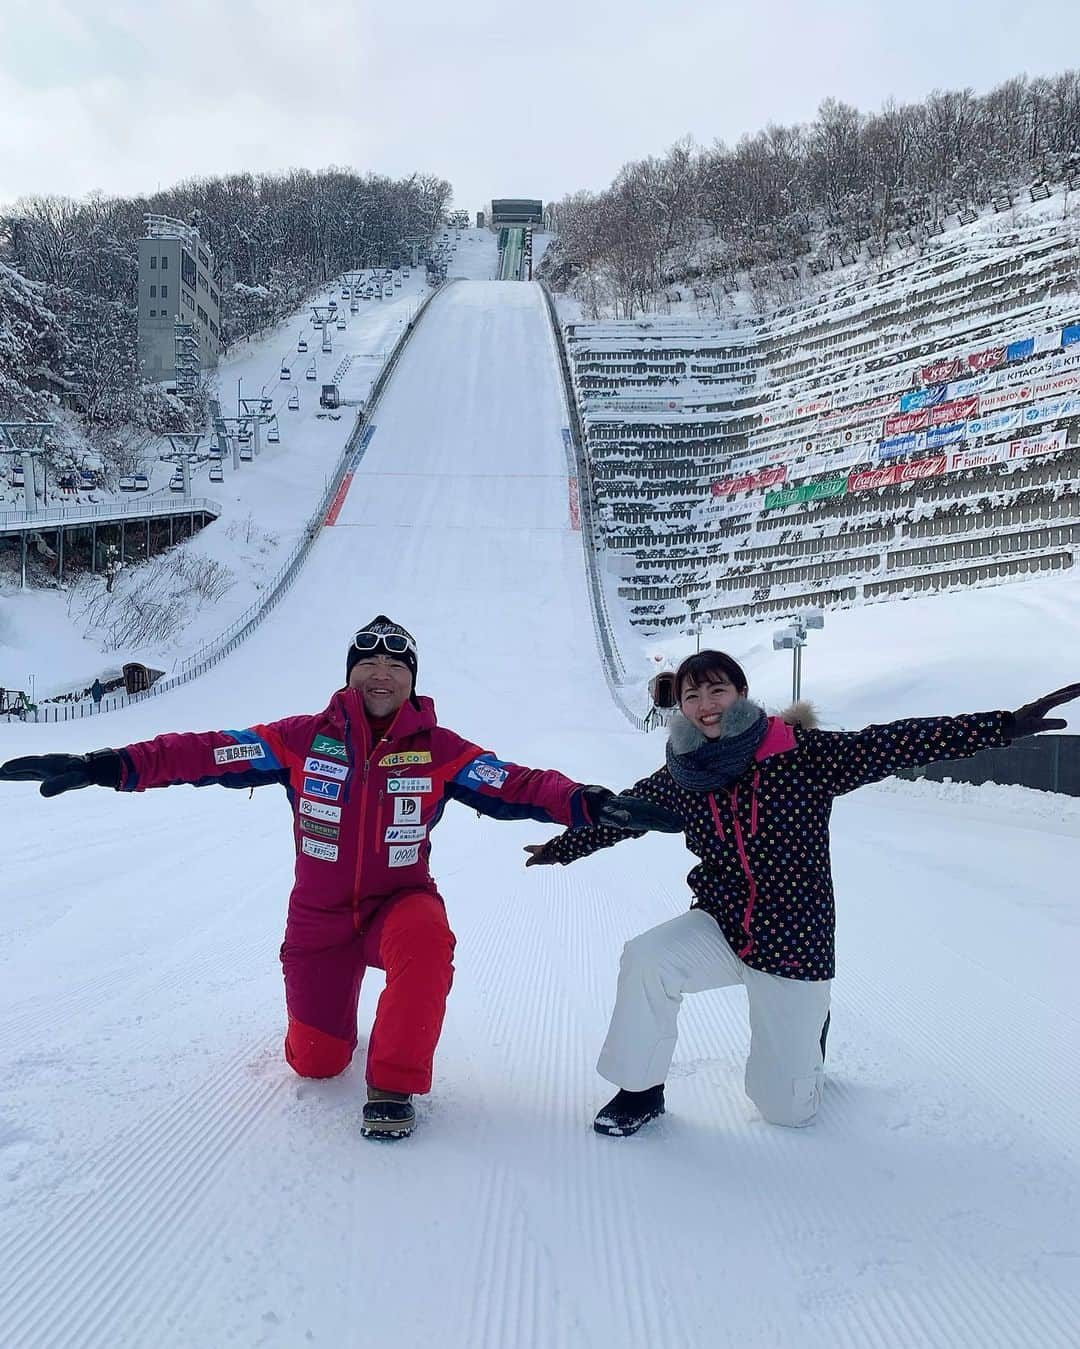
802 714
684 737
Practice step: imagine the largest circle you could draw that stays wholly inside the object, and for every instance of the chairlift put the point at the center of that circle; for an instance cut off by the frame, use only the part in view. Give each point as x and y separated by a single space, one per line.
214 452
18 478
217 473
327 344
246 454
286 372
311 372
244 435
176 482
341 325
273 435
294 401
301 345
354 307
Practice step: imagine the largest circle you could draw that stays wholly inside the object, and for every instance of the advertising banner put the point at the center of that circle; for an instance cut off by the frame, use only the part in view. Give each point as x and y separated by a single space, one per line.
814 409
892 474
986 360
959 410
923 398
640 404
812 491
1019 393
989 454
1070 334
746 463
945 435
997 421
749 482
940 371
894 445
1066 362
1050 388
1051 410
1016 351
1023 449
1048 341
902 422
962 387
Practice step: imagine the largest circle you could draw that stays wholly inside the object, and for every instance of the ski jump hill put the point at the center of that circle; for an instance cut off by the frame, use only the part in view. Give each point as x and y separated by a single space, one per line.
169 1182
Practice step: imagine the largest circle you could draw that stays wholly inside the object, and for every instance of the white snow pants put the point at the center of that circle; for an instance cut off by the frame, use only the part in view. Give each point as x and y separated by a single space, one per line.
784 1073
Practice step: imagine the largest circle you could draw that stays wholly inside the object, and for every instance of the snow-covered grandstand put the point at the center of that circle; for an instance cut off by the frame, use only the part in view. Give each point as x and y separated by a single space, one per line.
915 429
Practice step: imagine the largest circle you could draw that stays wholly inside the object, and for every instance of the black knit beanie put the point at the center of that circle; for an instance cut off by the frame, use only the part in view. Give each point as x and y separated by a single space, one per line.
385 626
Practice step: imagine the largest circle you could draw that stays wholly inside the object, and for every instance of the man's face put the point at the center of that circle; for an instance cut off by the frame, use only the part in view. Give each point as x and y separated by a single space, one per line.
704 704
384 683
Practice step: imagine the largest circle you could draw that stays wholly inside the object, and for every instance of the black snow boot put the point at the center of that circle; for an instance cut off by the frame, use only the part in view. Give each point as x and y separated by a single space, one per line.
627 1111
388 1114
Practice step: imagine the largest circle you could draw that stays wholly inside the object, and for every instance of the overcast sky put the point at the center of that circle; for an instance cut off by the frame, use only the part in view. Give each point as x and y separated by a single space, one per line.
123 96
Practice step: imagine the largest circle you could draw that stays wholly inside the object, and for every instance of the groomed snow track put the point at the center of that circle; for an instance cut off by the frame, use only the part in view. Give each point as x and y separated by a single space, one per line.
168 1182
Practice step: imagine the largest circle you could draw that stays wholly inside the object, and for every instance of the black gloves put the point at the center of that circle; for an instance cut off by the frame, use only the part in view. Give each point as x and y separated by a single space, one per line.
65 772
628 812
1031 718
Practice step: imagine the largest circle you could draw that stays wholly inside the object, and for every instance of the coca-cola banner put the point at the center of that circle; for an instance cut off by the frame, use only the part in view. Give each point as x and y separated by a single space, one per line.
900 423
986 360
894 474
750 482
940 371
959 410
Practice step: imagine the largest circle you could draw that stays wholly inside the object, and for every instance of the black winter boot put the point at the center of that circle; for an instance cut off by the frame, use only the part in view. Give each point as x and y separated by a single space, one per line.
388 1114
627 1111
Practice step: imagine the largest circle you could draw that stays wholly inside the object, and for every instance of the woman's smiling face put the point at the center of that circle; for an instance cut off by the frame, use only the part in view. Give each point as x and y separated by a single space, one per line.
704 704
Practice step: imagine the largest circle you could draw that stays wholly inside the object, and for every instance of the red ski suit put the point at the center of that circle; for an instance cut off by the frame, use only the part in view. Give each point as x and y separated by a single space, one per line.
362 893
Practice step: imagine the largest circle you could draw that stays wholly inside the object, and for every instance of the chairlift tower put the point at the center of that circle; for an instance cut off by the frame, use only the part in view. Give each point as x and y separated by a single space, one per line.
185 445
256 412
320 317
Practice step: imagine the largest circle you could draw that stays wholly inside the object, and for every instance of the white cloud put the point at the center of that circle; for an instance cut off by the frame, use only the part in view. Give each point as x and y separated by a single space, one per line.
123 96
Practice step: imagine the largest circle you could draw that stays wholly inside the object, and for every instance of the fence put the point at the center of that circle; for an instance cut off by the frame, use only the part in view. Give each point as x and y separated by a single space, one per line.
227 641
610 659
69 516
1049 763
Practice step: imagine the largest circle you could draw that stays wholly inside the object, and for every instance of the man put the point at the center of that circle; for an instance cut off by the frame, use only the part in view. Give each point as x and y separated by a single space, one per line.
368 779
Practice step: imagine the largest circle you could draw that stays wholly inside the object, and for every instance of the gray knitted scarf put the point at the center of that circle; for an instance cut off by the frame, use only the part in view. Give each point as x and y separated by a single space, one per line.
703 765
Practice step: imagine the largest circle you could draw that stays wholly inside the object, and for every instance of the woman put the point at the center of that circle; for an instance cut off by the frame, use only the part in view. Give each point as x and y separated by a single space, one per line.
754 794
368 779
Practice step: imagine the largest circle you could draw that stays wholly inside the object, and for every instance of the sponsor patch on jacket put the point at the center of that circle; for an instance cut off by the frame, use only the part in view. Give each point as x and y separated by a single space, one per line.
487 772
322 744
320 810
325 852
403 757
409 785
406 856
326 791
316 827
234 753
406 809
405 833
326 768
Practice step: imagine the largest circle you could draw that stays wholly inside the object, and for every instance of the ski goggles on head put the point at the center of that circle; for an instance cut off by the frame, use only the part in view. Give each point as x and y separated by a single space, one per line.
393 643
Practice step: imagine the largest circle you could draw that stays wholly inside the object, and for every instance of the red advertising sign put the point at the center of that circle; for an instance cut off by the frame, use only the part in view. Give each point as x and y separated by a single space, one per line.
986 360
889 476
900 423
940 372
959 410
750 482
991 402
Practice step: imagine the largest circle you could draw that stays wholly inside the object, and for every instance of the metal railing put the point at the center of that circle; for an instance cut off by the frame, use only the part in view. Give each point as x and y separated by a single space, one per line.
73 515
610 658
227 642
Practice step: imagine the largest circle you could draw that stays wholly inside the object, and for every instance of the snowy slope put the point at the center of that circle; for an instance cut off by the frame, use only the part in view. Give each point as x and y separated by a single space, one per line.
167 1181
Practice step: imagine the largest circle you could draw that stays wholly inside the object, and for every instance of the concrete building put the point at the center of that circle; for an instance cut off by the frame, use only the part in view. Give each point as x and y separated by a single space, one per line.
178 283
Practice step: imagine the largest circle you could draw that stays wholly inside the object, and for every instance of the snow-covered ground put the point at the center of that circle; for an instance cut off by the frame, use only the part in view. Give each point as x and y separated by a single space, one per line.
168 1181
265 504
